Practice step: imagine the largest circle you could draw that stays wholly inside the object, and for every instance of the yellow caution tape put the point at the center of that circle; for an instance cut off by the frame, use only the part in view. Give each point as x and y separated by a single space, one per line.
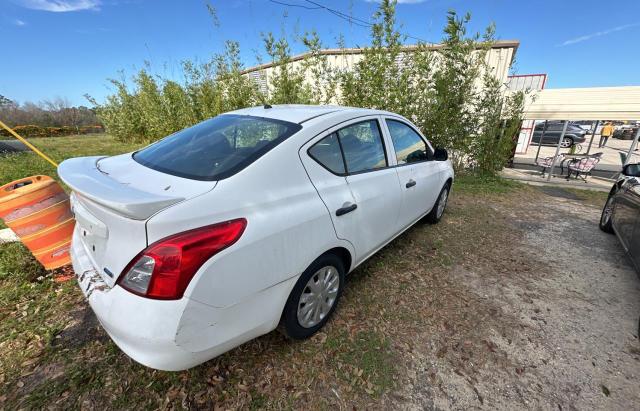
26 143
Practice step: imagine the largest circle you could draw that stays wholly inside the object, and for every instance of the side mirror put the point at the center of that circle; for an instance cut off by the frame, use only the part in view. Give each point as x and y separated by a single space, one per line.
440 154
416 156
631 170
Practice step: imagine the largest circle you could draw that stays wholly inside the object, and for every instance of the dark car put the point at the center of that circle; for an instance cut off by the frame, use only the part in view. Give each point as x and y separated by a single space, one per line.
626 133
621 213
574 135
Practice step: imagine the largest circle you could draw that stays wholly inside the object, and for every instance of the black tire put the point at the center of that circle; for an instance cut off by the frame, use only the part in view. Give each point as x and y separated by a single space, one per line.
605 219
567 139
289 324
433 217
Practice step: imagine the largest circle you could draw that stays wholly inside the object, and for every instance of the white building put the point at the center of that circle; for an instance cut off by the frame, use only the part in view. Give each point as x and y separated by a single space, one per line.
499 58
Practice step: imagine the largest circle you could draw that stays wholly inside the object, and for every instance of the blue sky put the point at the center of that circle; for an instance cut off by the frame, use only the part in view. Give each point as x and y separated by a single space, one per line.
70 47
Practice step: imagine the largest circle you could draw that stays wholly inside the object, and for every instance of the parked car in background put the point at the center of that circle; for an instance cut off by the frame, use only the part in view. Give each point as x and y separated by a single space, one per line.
586 125
574 135
621 214
221 232
12 146
625 132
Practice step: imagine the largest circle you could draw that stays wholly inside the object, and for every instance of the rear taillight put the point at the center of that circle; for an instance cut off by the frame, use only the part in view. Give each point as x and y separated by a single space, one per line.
165 268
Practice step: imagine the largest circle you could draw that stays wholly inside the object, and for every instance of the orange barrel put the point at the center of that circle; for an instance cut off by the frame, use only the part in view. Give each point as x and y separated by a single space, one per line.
37 210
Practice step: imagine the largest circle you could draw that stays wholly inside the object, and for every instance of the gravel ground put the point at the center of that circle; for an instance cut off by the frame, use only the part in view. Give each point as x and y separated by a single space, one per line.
567 305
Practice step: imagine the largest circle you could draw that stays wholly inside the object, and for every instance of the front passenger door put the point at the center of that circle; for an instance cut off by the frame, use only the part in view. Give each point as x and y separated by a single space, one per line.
634 241
627 210
419 175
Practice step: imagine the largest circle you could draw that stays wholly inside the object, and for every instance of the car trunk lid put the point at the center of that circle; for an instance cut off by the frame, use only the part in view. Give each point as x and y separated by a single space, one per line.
112 199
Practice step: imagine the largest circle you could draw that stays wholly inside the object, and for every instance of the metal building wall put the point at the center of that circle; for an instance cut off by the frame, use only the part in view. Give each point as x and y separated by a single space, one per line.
499 58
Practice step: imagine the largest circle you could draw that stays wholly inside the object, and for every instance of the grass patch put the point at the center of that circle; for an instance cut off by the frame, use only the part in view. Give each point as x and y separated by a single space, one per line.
473 184
20 165
365 361
593 197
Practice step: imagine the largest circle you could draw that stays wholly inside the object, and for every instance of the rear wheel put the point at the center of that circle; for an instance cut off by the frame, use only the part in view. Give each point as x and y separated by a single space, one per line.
314 298
435 215
607 213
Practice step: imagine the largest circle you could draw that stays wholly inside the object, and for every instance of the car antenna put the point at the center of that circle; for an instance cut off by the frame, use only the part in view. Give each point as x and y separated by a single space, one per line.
267 106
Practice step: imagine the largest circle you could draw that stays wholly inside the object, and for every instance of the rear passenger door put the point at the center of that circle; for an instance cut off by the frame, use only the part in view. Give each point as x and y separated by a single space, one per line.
419 175
348 166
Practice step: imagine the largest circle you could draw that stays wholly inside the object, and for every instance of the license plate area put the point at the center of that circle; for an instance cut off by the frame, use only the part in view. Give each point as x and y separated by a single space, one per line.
92 232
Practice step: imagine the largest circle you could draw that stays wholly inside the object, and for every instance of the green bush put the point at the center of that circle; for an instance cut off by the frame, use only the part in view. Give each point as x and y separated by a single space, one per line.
449 93
37 131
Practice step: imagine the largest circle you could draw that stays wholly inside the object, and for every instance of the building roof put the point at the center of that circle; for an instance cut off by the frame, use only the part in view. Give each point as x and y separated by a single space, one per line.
593 103
526 81
500 44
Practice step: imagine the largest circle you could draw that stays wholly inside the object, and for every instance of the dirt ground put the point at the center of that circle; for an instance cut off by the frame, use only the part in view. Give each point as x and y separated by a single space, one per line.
564 303
515 300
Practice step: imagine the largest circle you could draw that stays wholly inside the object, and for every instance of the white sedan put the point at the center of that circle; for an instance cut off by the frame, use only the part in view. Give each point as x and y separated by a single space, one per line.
221 232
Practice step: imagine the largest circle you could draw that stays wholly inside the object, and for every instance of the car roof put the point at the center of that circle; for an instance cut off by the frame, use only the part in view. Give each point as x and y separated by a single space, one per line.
299 113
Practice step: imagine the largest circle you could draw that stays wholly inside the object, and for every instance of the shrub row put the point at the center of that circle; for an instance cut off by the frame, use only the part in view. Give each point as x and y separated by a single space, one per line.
37 131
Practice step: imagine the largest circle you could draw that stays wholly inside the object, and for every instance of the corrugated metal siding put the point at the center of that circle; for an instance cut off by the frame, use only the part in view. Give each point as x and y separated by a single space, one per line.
499 58
527 82
596 103
261 80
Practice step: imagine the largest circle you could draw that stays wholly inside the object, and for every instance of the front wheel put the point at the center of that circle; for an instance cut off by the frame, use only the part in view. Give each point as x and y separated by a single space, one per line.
607 213
435 215
314 298
566 142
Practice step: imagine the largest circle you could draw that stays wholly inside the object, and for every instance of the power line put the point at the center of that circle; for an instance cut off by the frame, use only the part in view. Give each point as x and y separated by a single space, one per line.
302 6
340 14
347 17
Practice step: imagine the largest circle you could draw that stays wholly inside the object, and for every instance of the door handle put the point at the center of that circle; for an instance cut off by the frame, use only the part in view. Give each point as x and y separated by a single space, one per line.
410 184
346 209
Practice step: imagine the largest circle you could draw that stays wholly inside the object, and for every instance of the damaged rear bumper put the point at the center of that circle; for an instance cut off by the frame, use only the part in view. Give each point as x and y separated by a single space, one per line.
166 335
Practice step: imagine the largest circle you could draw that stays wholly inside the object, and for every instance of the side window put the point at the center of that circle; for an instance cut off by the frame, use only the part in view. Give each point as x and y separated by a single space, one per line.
408 144
362 146
327 153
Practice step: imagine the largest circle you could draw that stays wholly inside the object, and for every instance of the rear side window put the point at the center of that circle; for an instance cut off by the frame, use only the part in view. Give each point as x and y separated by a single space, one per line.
408 145
327 153
362 146
216 148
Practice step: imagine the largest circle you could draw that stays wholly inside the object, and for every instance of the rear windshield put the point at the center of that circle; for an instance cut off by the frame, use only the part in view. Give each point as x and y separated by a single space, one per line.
216 148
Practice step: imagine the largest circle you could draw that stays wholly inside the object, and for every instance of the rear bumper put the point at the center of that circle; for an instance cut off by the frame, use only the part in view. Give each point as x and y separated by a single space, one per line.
165 335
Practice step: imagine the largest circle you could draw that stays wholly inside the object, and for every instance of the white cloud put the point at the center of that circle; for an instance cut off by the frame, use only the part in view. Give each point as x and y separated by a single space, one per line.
60 6
597 34
19 23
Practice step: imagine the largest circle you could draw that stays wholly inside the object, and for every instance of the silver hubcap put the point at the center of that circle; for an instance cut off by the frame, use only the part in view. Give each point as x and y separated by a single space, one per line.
565 143
318 296
608 210
442 202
